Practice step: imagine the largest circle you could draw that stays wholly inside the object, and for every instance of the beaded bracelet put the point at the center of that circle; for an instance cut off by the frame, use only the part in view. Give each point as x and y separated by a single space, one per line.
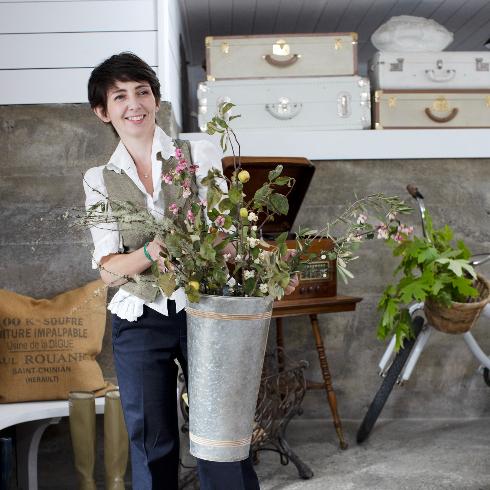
146 253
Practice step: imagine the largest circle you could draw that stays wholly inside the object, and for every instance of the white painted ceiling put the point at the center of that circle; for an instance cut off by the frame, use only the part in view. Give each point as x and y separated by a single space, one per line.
469 20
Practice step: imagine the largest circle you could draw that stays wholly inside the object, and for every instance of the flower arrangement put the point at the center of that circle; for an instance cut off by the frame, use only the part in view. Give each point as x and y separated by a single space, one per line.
193 252
431 268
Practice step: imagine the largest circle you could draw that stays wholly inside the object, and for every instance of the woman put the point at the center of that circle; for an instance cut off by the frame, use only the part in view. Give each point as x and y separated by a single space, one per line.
147 334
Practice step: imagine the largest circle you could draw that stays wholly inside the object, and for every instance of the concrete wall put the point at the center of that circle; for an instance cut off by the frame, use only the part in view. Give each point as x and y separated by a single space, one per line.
45 149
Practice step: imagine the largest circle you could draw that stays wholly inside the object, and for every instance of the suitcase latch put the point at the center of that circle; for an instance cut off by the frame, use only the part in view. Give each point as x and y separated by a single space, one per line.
281 48
441 104
344 106
338 43
284 109
397 66
225 47
480 66
392 101
488 101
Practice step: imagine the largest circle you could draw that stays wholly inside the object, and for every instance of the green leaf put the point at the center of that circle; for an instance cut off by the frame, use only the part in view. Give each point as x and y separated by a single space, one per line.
234 117
221 122
283 248
457 266
261 194
192 294
225 204
130 203
220 276
249 285
227 107
167 282
213 197
273 174
279 204
464 286
440 280
207 252
282 180
427 255
235 196
415 290
154 268
282 238
228 222
211 238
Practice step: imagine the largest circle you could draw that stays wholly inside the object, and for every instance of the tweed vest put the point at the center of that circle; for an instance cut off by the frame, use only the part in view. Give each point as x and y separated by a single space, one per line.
120 188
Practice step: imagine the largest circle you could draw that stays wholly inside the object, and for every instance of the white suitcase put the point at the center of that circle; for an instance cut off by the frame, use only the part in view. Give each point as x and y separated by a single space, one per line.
291 104
431 70
281 55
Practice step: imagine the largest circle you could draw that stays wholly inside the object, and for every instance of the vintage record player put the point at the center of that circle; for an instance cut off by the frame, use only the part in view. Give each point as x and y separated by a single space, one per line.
319 279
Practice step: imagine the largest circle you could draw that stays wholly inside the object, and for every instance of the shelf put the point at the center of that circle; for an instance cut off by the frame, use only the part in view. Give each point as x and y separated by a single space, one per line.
361 145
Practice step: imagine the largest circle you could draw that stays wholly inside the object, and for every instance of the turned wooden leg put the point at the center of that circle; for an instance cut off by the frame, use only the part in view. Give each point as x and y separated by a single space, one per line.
332 400
280 343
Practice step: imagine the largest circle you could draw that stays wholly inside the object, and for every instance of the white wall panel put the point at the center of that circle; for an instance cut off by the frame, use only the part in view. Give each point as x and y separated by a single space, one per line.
44 86
77 16
73 50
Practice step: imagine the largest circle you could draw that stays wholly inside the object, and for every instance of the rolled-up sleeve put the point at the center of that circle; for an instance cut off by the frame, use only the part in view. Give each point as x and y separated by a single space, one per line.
107 239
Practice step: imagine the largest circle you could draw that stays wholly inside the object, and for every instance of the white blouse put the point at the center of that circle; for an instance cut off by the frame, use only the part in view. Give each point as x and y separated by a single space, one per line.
107 240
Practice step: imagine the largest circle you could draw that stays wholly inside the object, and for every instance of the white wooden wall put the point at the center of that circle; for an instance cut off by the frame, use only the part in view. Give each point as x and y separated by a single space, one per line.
49 48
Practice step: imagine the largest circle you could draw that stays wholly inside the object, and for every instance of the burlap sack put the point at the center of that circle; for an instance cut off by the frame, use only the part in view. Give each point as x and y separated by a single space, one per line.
44 351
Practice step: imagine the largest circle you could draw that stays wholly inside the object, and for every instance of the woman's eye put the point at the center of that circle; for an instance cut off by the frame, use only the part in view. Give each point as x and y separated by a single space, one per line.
118 97
144 92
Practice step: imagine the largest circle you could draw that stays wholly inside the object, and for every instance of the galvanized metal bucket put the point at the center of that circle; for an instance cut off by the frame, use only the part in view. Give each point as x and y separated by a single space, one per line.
226 345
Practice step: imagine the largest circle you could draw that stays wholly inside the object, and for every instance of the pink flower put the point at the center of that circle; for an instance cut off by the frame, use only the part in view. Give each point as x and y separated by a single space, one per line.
193 168
178 153
220 221
187 192
362 218
167 178
174 208
184 252
187 182
190 216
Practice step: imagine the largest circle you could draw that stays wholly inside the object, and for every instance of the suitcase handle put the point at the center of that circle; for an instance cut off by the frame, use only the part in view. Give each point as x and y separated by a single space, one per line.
445 78
279 112
289 62
441 119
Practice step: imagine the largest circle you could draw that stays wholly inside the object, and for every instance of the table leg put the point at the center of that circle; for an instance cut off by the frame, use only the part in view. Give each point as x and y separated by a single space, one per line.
280 343
27 443
332 400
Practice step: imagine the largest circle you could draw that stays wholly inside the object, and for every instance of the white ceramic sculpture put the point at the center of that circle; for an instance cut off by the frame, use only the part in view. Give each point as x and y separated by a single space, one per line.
408 33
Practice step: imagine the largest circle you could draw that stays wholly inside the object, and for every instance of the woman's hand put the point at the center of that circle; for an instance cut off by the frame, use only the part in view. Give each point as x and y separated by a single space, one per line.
154 248
293 283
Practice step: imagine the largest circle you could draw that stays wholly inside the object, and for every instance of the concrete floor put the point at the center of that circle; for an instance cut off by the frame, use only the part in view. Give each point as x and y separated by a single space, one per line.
436 454
411 454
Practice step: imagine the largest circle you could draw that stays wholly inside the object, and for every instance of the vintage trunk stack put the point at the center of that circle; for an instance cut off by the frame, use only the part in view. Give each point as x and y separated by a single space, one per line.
430 89
286 82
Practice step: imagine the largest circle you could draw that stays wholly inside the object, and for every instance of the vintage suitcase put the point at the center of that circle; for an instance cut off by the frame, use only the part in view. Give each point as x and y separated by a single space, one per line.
431 109
434 70
293 104
314 281
281 55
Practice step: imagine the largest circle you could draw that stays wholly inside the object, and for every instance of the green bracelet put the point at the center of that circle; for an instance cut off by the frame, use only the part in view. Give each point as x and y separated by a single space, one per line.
147 254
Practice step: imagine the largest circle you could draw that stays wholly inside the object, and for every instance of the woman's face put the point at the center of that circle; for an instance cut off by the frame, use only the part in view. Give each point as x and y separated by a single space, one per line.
131 109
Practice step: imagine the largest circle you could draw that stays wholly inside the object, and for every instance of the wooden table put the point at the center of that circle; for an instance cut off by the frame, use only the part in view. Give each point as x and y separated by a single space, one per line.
313 307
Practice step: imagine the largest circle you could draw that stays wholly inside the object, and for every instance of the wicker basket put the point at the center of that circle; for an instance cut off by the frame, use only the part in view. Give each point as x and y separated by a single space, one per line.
461 316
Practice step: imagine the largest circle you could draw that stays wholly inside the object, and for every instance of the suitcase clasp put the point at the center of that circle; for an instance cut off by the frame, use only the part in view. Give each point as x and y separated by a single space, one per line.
281 48
338 43
480 66
344 104
397 66
284 110
441 104
225 47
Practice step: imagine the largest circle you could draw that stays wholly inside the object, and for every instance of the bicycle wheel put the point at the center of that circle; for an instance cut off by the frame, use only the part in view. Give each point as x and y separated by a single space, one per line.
486 376
388 382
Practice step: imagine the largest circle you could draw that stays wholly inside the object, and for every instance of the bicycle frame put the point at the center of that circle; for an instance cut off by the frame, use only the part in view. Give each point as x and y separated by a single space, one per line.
424 334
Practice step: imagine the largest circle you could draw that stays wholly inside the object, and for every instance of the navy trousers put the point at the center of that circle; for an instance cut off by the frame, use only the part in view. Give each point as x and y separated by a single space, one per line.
144 353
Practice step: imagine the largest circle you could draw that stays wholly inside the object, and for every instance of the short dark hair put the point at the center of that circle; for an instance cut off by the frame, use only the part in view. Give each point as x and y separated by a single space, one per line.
122 67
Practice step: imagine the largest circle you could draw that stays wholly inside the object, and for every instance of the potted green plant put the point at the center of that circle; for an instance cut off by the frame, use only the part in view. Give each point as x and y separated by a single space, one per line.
434 272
